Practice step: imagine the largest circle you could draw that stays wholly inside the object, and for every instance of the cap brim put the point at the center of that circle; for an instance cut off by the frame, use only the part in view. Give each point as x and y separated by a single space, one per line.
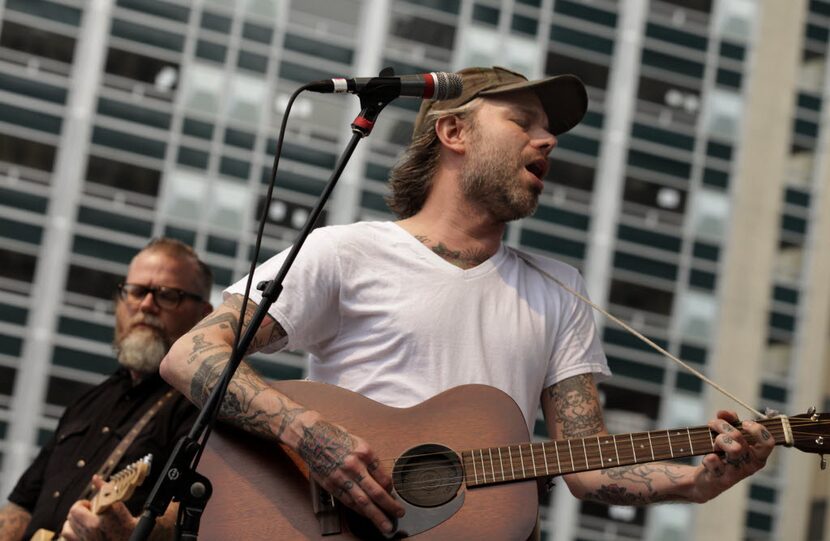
563 98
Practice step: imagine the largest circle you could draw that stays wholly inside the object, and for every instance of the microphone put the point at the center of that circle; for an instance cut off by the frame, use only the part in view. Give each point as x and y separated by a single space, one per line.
429 86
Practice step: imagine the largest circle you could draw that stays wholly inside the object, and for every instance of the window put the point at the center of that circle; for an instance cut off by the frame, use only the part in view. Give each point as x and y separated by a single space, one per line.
37 42
186 192
710 214
203 88
136 66
697 313
736 19
641 297
122 175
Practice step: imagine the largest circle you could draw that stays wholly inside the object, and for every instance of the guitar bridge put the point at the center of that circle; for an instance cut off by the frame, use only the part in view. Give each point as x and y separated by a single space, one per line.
325 509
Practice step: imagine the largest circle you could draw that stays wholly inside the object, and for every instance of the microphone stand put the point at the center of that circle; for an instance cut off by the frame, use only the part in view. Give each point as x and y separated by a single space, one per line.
180 480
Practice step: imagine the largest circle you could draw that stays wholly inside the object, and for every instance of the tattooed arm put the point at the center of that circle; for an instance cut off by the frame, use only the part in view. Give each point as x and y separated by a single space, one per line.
342 463
572 410
13 522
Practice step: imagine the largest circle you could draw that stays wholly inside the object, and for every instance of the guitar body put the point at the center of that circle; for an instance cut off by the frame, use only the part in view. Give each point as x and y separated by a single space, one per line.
259 493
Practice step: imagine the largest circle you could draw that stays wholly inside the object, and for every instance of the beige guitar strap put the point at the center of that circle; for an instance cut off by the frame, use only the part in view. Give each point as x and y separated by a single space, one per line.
121 448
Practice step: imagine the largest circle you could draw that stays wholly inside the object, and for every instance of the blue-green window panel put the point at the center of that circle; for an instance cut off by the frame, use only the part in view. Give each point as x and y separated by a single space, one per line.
794 224
677 37
759 521
373 201
688 382
645 265
10 345
820 8
562 217
486 14
92 282
715 178
83 360
252 62
447 6
781 321
703 279
167 10
673 63
27 118
734 51
32 89
192 157
302 73
785 294
23 201
659 164
593 74
187 236
10 313
776 393
128 142
85 329
729 78
209 50
635 370
585 12
809 101
319 49
797 197
109 251
721 151
816 32
583 40
579 143
305 154
216 22
649 238
693 354
256 32
293 181
148 35
119 221
552 244
233 167
705 250
763 494
221 246
524 25
223 276
47 10
620 337
240 138
805 127
197 128
122 175
20 231
663 136
275 370
134 113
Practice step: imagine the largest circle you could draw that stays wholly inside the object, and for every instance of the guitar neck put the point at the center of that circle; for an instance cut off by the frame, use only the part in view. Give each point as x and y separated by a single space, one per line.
492 465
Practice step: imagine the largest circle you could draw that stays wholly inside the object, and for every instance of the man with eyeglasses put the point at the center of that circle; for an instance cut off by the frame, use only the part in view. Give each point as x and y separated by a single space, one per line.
165 293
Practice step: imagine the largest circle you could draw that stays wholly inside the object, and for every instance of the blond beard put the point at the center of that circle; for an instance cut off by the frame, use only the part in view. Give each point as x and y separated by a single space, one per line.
142 350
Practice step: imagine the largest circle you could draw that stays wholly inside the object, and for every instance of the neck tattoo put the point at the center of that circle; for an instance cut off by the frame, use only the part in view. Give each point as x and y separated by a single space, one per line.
465 259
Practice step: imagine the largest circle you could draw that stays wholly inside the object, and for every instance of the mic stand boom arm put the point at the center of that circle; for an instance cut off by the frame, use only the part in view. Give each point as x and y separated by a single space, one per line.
180 480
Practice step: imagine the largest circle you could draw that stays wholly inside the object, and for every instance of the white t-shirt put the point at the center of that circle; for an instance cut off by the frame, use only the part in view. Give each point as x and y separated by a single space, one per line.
383 315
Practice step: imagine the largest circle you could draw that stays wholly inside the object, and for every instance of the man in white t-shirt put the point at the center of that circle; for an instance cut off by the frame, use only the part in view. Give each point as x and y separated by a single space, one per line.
402 311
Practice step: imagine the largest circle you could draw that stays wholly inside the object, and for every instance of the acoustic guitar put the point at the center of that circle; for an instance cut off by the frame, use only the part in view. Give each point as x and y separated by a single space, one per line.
462 466
119 488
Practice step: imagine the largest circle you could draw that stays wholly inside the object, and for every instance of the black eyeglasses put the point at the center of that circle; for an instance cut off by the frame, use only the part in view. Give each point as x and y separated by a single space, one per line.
164 297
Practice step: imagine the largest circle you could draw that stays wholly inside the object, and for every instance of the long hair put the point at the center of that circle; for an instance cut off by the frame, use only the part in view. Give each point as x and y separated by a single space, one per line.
411 178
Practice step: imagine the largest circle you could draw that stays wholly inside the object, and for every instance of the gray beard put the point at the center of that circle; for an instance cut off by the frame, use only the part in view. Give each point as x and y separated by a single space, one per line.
141 350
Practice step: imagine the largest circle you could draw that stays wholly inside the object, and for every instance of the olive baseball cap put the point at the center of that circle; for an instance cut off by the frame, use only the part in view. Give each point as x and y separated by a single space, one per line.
563 97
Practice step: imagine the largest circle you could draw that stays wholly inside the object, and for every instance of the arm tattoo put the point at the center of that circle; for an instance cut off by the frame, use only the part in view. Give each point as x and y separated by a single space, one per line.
628 478
13 520
324 447
576 406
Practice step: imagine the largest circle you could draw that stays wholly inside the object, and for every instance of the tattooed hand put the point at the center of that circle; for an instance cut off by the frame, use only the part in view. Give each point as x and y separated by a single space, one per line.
738 459
347 468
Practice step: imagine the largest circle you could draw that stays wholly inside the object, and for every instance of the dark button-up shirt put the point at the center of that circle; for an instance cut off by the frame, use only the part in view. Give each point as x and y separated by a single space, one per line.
87 433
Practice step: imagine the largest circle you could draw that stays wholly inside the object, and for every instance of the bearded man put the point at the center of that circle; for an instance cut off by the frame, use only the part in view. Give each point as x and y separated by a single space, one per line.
165 293
401 311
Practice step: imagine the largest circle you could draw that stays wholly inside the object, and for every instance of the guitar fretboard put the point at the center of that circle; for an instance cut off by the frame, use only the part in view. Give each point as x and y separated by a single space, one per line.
531 460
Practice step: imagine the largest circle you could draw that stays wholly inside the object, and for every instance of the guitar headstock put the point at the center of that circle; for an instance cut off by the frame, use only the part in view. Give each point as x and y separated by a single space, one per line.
122 484
811 432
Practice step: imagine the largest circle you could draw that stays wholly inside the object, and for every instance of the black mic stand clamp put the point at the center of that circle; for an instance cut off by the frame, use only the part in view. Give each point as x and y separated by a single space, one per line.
181 482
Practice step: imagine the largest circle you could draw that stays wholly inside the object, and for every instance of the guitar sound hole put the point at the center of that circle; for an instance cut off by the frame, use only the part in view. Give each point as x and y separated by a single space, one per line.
427 475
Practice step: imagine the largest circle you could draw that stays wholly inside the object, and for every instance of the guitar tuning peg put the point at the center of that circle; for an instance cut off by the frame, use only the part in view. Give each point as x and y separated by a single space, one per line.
823 463
811 410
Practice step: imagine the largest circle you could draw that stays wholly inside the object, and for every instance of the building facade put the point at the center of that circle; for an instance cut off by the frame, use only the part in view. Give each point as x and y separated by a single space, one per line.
693 197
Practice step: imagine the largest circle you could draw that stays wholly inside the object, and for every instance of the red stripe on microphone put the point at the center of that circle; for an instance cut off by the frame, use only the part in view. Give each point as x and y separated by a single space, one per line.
429 85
